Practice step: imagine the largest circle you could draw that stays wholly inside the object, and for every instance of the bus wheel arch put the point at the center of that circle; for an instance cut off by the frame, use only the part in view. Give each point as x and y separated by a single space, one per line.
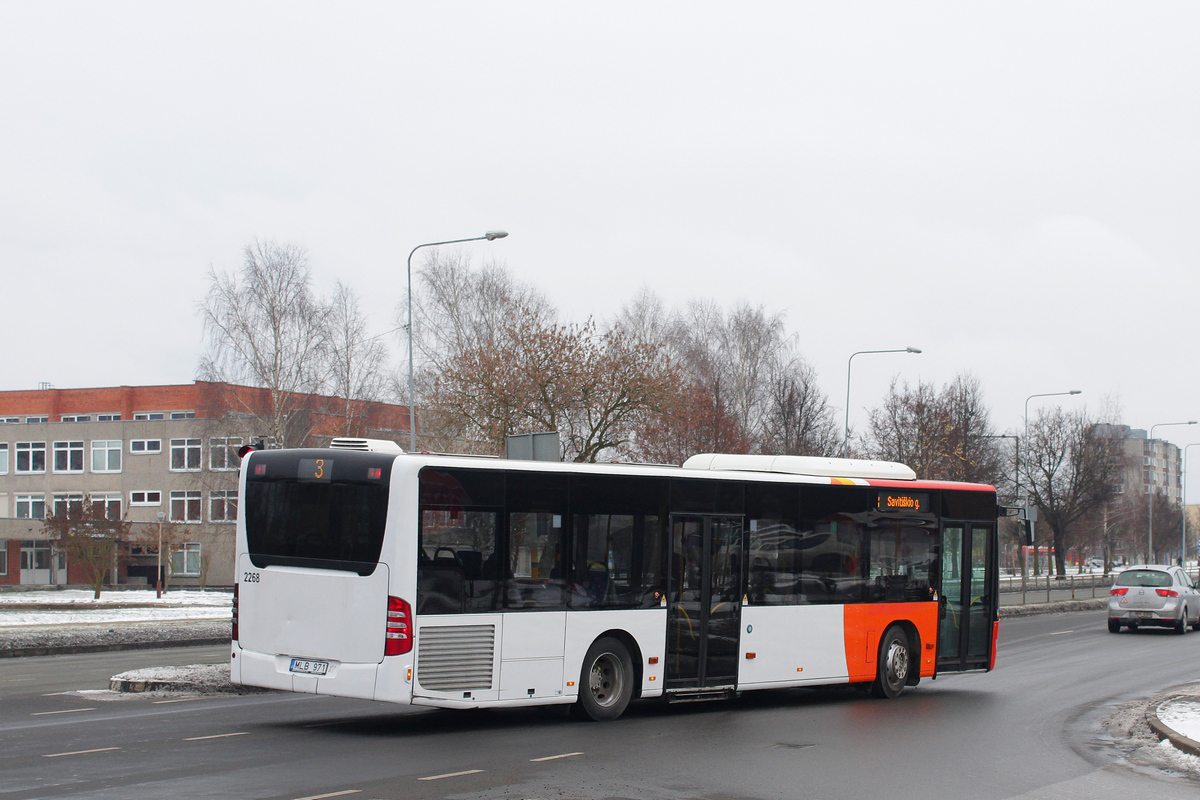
609 677
915 648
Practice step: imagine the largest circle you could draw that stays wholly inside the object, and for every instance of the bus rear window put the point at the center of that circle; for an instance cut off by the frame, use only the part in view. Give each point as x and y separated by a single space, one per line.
330 522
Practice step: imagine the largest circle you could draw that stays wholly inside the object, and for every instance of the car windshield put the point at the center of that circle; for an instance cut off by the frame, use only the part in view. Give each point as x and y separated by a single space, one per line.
1144 577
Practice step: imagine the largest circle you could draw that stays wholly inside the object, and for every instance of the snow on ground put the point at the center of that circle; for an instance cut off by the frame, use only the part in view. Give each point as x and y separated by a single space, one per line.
76 606
1182 716
191 597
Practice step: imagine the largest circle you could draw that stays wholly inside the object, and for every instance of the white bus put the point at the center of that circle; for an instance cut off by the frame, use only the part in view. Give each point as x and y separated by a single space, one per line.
468 582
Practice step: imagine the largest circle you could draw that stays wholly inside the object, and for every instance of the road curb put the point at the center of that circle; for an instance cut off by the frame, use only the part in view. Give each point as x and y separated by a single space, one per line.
1180 741
1058 607
71 649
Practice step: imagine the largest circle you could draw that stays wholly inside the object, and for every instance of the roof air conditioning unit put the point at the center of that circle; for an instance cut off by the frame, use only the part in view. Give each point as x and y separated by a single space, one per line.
368 445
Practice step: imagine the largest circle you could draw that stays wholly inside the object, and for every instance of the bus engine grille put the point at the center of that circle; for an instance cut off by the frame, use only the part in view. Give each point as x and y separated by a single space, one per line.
454 658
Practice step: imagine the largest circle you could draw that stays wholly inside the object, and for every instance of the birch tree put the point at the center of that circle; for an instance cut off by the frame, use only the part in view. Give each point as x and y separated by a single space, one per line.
266 328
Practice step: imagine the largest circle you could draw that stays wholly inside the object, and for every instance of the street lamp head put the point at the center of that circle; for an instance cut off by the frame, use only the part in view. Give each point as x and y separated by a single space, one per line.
491 235
912 349
1075 391
162 515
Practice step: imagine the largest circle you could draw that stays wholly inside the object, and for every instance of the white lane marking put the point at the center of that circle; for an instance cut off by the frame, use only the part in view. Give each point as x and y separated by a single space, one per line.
331 794
65 711
450 775
180 700
216 736
1060 633
551 758
79 752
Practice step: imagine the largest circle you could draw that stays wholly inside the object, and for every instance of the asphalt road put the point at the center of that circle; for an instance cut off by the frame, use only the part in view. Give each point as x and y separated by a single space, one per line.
1030 730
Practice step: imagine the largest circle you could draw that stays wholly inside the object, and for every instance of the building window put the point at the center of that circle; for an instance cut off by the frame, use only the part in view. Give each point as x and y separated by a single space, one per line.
142 416
185 455
222 452
9 420
31 458
222 505
68 504
3 458
145 498
4 559
35 420
183 415
186 560
142 447
78 418
108 418
106 455
68 456
109 503
31 506
185 506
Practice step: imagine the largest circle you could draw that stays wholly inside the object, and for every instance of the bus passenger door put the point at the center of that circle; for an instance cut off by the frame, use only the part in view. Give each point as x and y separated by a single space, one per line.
704 594
968 597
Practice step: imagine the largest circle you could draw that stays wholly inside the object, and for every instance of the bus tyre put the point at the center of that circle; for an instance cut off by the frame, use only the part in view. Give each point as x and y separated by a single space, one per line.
606 681
894 662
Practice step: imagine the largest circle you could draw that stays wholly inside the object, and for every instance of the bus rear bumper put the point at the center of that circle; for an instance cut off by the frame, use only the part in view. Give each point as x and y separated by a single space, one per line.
271 671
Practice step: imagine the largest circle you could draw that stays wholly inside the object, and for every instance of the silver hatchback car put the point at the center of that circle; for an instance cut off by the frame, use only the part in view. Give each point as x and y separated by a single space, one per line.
1147 594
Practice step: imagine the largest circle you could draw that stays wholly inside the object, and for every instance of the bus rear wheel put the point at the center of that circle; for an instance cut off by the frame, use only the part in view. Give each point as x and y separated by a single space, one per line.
893 664
605 682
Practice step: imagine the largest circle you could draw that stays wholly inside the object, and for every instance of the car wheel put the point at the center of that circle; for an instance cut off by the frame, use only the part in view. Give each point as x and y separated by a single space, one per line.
1181 625
894 663
1114 626
606 681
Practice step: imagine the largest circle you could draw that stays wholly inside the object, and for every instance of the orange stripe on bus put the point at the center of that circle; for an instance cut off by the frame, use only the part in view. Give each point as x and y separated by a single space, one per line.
865 623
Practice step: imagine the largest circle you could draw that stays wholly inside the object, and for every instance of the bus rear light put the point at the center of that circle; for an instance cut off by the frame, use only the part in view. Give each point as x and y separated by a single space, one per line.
234 635
1167 593
398 637
1118 592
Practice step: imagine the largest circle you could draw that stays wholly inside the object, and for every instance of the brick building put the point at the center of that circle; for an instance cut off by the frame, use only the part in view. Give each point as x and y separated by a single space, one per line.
151 455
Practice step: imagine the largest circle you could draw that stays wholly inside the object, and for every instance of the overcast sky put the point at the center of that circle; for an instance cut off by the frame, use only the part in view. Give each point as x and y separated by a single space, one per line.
1012 188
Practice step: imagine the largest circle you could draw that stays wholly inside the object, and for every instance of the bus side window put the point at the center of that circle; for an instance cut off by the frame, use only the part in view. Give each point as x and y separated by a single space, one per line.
456 567
535 577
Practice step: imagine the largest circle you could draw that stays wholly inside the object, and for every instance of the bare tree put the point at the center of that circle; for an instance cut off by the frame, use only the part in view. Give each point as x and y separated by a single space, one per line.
357 362
942 434
797 417
537 376
91 538
748 388
457 308
266 328
1070 471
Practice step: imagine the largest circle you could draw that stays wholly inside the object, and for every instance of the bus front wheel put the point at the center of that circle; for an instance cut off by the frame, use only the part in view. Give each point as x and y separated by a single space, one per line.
894 663
606 681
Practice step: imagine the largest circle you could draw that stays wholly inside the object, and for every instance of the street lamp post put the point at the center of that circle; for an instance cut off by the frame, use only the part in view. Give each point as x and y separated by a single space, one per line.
412 396
1025 422
1183 541
849 361
1150 490
158 557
